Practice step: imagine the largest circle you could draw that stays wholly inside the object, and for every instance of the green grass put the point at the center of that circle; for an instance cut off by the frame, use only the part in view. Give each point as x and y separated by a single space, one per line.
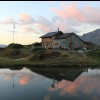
48 58
44 54
95 55
15 53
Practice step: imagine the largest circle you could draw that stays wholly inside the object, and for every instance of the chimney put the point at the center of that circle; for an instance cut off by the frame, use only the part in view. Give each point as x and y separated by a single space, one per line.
58 29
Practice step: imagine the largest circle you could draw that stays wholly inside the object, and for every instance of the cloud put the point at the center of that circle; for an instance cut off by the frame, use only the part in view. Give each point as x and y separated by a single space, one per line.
25 77
82 84
8 76
9 21
29 30
72 12
25 18
66 17
65 27
45 25
42 24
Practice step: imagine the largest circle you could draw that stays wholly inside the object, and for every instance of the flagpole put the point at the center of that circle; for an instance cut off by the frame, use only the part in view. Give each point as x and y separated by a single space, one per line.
13 32
13 80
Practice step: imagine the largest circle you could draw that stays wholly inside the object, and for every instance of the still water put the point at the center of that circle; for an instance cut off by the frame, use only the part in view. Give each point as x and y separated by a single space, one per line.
50 84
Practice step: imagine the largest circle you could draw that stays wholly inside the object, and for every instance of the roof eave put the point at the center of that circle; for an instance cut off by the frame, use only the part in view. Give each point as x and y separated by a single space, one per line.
43 36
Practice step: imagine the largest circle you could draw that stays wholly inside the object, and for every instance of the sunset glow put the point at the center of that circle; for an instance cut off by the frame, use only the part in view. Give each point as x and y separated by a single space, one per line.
33 19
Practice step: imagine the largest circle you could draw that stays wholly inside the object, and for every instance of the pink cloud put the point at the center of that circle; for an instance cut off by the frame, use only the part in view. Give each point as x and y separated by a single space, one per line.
25 77
82 83
72 12
45 25
26 19
25 80
43 28
69 12
42 24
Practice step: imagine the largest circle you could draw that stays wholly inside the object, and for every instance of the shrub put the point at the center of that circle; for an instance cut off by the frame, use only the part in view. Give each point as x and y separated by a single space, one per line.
41 55
37 44
15 46
38 49
1 49
93 54
13 54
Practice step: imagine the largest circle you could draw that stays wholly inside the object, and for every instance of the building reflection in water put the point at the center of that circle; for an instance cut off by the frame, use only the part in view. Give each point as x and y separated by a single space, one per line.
59 82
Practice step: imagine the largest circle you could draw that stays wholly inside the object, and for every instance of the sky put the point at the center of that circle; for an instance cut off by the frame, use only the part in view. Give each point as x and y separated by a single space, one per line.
33 19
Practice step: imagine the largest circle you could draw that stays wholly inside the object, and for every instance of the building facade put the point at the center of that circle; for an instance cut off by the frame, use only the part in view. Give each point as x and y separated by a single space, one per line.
62 40
48 38
67 41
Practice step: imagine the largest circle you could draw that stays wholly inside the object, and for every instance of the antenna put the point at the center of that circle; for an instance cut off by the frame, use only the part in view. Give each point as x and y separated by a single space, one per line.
13 80
13 32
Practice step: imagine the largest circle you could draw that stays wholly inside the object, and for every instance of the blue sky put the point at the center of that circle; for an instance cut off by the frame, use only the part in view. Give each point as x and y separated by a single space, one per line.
35 18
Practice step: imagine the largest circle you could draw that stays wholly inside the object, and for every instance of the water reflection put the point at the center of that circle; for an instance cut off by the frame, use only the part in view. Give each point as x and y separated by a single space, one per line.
50 83
60 73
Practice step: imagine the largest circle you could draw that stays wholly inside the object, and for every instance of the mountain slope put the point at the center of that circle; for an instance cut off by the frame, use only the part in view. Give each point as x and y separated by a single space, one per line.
2 45
93 36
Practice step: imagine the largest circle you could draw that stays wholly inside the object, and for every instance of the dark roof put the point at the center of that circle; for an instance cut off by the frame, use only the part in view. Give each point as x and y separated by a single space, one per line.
64 36
50 34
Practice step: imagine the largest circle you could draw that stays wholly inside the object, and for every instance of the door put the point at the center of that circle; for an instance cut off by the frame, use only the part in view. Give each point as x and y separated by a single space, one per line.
70 45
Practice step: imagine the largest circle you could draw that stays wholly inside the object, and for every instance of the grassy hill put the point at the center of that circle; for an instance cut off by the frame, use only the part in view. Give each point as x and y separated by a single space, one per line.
10 56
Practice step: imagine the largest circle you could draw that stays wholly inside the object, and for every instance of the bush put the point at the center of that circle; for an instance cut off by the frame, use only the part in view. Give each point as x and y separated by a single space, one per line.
37 44
13 54
1 49
38 49
93 54
40 55
15 46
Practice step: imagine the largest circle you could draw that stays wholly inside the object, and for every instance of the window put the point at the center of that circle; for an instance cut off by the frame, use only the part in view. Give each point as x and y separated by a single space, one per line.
56 44
47 44
43 39
43 44
53 37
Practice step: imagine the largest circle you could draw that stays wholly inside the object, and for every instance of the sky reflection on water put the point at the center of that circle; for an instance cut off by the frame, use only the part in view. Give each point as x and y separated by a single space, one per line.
56 84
